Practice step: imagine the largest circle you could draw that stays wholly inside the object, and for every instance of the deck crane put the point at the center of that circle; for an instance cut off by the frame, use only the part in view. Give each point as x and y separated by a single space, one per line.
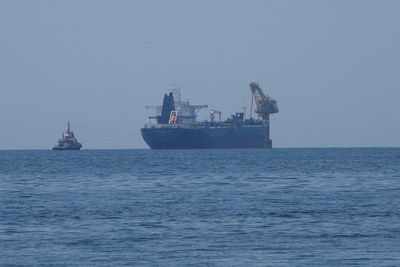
212 115
265 105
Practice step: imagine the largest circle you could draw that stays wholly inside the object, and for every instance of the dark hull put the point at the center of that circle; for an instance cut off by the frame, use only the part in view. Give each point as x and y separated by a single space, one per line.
206 138
66 148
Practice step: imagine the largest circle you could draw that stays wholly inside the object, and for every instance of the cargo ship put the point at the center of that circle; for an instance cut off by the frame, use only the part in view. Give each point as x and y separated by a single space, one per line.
68 141
174 125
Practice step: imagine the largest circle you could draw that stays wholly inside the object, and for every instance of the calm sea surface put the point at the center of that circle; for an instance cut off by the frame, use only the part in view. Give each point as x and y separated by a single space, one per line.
279 207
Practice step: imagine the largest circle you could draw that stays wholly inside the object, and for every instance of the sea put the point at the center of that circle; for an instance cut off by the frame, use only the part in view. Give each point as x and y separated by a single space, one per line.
261 207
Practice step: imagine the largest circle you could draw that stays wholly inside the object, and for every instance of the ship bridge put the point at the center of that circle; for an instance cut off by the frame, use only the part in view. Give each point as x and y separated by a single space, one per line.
174 112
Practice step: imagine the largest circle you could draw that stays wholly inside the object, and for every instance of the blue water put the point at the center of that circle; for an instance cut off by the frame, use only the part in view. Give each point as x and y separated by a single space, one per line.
279 207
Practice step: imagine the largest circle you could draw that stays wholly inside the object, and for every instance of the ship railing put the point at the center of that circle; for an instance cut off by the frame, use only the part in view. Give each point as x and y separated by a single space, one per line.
157 125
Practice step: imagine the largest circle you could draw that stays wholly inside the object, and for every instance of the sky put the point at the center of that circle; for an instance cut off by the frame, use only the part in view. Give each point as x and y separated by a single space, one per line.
333 67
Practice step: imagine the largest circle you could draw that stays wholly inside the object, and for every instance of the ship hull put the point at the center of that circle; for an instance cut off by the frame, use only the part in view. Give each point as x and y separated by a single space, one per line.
66 148
207 137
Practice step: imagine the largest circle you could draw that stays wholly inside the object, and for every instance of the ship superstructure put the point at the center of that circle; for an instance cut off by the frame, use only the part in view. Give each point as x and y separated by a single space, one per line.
174 126
68 141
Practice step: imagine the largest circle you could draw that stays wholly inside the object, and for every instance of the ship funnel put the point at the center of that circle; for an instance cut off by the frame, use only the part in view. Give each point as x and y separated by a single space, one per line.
167 107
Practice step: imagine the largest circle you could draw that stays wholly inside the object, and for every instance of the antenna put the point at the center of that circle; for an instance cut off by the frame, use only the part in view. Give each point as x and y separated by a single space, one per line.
68 126
176 91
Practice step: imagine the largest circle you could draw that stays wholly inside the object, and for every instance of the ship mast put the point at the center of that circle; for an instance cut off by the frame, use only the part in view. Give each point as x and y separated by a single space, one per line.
251 106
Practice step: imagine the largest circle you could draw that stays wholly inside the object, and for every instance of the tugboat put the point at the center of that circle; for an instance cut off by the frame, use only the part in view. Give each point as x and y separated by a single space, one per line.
68 141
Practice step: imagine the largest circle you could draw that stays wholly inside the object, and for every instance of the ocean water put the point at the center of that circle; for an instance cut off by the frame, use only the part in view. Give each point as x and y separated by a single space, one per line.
279 207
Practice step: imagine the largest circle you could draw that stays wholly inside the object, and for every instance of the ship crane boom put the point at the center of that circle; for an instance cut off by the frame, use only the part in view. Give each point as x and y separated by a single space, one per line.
265 105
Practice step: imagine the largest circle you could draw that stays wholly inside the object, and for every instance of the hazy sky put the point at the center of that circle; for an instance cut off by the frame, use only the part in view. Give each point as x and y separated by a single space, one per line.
333 66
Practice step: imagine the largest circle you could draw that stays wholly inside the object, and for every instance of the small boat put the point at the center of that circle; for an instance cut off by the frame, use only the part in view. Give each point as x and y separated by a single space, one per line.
68 141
